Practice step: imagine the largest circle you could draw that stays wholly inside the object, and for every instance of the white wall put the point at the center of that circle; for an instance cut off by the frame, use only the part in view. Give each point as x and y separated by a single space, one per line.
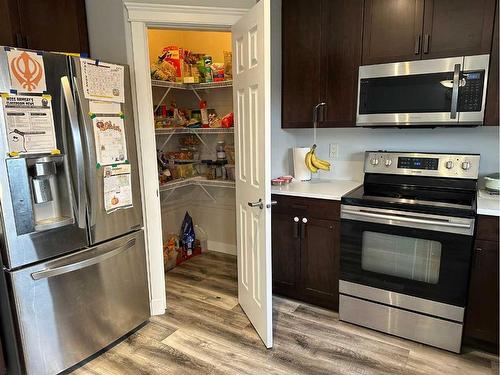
354 141
109 29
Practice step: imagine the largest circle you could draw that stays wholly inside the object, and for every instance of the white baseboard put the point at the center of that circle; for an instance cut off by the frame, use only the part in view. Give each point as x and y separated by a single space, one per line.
157 306
221 247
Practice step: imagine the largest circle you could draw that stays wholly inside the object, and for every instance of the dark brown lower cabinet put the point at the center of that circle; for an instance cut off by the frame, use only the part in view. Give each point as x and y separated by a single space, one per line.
306 249
319 263
481 321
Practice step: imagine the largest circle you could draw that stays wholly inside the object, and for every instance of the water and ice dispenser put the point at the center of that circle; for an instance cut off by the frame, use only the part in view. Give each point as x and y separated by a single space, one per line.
41 192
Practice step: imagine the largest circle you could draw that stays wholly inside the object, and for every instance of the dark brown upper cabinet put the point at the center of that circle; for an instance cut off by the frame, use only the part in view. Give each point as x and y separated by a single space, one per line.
49 25
492 99
301 56
321 52
392 30
457 28
402 30
342 43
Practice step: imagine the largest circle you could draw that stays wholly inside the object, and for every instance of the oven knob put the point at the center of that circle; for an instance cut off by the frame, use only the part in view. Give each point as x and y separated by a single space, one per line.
449 164
388 162
466 165
374 161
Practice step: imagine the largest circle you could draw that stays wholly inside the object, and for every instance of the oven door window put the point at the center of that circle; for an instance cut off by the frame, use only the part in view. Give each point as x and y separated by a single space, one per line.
422 263
419 93
404 257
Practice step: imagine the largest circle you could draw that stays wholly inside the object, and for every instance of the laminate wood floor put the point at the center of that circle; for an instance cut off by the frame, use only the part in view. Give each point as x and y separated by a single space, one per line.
204 331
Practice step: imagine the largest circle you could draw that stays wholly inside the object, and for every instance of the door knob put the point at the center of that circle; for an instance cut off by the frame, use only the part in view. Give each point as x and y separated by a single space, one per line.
259 204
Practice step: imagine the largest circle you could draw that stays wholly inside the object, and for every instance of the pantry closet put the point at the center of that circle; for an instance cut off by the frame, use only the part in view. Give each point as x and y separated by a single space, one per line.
193 104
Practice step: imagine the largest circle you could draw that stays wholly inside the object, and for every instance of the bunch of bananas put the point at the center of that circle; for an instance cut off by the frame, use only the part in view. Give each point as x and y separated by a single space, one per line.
313 163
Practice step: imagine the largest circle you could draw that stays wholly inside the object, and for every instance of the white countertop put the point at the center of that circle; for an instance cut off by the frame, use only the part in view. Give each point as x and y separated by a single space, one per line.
321 189
488 204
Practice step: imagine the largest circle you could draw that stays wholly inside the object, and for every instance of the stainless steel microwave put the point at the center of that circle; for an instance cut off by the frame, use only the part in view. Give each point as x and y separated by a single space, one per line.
439 92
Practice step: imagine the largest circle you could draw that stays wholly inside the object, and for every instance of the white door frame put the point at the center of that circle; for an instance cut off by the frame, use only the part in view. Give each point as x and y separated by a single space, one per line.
141 17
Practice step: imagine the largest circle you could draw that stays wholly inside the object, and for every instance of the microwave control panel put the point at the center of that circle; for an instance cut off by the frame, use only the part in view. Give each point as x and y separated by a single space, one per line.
470 93
420 164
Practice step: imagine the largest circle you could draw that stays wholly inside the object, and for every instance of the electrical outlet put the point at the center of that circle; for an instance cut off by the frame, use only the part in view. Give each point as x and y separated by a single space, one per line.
334 150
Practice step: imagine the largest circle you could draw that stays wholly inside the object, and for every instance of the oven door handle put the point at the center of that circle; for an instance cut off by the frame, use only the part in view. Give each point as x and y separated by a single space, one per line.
407 219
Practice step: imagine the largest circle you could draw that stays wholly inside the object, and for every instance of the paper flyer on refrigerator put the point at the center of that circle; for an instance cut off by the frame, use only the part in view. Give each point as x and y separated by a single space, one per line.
29 124
110 142
102 81
117 187
27 72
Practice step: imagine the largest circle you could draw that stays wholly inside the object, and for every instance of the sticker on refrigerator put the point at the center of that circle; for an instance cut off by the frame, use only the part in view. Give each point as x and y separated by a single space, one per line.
102 81
117 187
29 124
110 142
27 73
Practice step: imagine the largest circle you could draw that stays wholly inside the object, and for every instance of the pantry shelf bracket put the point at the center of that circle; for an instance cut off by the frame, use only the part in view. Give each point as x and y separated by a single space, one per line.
200 138
207 192
165 198
164 144
197 95
162 99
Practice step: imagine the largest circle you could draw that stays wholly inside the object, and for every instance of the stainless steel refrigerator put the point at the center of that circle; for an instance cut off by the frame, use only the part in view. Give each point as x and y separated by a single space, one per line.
74 276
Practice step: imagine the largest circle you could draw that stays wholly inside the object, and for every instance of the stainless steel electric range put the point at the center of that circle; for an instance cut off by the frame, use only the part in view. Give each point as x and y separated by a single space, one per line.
406 246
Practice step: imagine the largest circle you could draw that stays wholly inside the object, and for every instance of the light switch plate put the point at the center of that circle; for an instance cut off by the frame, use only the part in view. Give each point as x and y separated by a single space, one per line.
334 150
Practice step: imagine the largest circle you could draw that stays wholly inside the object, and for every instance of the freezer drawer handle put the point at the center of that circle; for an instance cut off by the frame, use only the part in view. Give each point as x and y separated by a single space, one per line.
50 272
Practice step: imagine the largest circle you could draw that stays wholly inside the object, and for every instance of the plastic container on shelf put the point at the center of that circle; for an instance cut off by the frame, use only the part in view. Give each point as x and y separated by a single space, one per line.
230 172
201 235
183 170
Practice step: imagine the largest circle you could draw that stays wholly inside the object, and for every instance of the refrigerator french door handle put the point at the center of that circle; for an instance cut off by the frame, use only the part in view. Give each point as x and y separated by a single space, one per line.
89 141
51 272
67 96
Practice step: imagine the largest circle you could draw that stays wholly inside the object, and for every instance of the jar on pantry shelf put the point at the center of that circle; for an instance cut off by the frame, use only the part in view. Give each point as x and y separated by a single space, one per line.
221 151
211 172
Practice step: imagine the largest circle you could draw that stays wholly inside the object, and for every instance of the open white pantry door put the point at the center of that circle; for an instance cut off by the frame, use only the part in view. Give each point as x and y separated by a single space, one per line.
252 109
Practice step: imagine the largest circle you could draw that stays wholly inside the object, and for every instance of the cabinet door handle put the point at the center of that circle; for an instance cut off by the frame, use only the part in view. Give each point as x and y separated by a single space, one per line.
19 40
296 225
417 44
427 38
477 257
303 228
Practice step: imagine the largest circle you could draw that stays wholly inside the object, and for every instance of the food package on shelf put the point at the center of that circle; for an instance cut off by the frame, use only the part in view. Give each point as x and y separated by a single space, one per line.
229 149
217 72
189 246
183 170
228 65
191 73
189 140
174 56
228 120
163 71
170 251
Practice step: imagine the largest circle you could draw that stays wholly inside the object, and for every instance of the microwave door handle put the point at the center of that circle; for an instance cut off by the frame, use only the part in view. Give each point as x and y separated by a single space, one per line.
407 219
69 103
51 272
90 146
454 93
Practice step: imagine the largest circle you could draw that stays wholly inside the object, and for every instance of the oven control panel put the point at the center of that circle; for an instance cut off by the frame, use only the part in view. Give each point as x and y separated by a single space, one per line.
420 164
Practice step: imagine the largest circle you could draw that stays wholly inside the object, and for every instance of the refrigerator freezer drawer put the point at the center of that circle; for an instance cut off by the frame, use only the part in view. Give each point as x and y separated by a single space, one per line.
71 307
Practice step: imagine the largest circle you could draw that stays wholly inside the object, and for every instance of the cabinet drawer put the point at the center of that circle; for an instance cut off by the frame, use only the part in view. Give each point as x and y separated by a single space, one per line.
487 228
310 207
